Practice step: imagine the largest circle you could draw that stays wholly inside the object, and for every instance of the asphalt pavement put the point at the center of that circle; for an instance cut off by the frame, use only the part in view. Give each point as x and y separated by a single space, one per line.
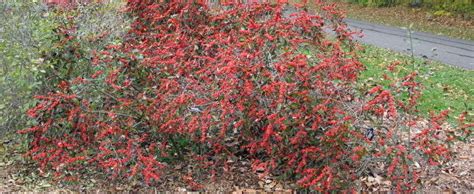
451 51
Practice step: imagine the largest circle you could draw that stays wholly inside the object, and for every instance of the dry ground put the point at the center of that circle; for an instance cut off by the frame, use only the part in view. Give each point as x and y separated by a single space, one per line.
20 175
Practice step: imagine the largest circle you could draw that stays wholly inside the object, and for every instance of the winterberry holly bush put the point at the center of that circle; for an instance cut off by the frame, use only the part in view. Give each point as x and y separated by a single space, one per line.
256 74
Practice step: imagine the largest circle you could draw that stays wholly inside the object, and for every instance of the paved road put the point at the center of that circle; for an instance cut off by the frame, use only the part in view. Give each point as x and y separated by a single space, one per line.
459 53
455 52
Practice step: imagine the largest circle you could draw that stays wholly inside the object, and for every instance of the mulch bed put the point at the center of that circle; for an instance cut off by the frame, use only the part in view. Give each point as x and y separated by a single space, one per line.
20 175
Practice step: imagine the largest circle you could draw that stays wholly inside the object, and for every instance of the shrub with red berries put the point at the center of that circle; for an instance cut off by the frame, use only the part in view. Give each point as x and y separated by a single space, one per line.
257 74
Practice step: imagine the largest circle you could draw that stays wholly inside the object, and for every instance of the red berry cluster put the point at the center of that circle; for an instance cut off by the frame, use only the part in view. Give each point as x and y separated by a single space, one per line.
255 74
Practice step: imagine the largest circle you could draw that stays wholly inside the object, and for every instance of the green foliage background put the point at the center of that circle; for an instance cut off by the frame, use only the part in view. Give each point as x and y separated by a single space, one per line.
33 57
25 33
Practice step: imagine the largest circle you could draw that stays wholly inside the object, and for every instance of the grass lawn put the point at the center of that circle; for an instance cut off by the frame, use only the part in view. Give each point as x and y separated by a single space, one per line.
446 87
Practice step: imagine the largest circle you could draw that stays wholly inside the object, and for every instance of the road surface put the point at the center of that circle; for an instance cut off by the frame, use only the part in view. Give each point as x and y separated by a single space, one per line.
451 51
455 52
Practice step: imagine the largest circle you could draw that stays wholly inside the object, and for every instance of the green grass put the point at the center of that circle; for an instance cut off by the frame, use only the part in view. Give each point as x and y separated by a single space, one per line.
445 87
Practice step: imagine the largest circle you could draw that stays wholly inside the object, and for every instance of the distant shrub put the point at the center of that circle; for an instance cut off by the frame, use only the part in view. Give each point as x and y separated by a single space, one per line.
25 33
41 46
189 80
